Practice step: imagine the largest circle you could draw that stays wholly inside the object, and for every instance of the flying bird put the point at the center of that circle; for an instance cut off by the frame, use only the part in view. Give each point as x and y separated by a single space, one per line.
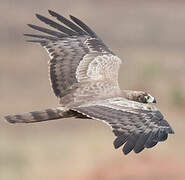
84 77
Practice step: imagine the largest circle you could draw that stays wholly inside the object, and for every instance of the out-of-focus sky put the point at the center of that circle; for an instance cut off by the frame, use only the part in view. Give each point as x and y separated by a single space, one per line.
148 35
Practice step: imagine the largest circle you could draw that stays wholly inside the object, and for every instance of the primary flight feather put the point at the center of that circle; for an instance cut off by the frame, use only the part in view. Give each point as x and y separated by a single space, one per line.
84 76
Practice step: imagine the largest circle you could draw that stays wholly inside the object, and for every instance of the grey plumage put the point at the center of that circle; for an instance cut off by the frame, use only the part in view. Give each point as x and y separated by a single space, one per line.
139 127
43 115
84 76
36 116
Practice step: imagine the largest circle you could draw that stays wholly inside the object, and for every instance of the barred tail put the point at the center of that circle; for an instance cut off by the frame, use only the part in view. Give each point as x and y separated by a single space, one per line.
38 116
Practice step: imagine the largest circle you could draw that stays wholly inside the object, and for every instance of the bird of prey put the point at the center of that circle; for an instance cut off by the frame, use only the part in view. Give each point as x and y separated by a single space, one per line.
84 76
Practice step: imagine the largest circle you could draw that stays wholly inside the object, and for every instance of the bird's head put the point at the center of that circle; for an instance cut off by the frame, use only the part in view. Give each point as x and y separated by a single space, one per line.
140 96
148 98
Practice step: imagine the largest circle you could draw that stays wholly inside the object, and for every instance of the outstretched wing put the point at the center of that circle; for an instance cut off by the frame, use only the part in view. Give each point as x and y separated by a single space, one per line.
77 54
135 124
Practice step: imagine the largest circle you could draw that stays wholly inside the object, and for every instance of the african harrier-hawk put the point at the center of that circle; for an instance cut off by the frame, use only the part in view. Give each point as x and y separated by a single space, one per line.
84 76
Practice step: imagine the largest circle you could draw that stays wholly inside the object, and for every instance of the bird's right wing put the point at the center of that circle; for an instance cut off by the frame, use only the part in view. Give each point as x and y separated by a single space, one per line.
77 54
136 125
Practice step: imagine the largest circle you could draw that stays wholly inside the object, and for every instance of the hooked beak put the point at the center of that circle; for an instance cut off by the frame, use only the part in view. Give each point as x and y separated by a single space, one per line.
154 101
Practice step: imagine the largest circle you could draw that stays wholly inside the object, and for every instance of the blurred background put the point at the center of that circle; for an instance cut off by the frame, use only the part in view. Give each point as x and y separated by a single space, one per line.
150 38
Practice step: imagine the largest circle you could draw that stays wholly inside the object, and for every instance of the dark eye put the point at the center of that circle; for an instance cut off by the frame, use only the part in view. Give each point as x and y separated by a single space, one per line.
146 97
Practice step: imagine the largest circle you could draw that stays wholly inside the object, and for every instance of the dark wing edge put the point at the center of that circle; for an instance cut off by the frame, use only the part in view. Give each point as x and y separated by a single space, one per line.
135 130
70 28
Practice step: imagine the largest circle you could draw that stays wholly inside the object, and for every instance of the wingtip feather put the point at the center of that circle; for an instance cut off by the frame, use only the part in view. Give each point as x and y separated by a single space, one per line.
138 150
31 26
51 12
39 16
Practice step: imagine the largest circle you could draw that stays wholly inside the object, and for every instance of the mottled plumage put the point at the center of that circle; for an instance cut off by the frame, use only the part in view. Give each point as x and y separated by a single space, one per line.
84 76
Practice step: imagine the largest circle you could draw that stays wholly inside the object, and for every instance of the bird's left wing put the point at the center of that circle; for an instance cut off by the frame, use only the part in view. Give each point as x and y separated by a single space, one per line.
136 125
76 53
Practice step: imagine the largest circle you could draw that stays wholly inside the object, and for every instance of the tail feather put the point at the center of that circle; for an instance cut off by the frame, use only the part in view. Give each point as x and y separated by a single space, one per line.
38 116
